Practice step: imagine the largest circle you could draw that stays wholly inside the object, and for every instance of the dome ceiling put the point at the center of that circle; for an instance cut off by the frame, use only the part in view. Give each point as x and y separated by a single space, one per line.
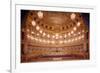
54 27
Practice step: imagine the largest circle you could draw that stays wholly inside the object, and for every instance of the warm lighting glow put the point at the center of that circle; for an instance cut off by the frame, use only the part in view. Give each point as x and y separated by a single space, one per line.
37 34
48 41
28 36
37 27
41 31
79 37
68 34
28 30
52 42
32 32
60 42
73 16
65 41
82 36
44 34
72 32
33 23
65 35
60 36
48 36
79 32
32 38
57 35
68 37
53 36
78 24
40 14
74 28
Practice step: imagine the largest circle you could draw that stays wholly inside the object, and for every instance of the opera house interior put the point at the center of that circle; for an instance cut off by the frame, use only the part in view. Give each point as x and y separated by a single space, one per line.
54 36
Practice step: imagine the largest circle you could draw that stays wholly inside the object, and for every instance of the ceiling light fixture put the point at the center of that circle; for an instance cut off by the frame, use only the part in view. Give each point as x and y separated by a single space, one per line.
73 16
78 24
40 14
72 32
33 23
41 31
37 27
44 34
28 36
48 36
56 35
79 32
65 35
32 32
74 28
69 34
53 36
